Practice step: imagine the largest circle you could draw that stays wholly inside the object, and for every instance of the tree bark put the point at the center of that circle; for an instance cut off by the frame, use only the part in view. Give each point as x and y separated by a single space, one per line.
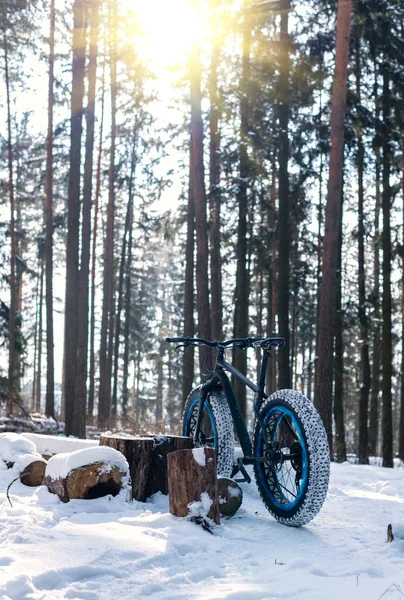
13 240
284 374
104 403
188 361
72 427
242 275
340 445
387 367
40 334
363 451
327 296
50 368
91 390
401 429
83 291
214 194
199 197
374 397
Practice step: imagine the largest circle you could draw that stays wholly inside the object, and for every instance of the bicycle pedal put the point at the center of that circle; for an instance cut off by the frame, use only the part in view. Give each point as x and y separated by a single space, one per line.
242 470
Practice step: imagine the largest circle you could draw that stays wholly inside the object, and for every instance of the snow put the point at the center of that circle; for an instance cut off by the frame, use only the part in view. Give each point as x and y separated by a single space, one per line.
199 456
103 548
13 445
60 465
51 444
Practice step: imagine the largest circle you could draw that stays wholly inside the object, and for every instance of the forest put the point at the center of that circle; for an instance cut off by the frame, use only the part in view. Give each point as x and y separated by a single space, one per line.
211 168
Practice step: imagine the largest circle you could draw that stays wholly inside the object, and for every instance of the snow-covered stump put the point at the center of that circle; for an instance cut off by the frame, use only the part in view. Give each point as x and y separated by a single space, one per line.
87 474
147 459
20 453
230 496
192 484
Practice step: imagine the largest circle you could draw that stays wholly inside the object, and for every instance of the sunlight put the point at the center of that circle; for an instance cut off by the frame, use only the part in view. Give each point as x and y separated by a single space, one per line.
169 29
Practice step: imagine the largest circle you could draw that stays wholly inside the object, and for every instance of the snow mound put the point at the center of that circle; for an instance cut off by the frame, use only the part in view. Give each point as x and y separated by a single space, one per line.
13 445
54 444
61 465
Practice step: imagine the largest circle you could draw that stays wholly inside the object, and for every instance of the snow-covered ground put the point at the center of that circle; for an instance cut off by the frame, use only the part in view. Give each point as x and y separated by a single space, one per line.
108 548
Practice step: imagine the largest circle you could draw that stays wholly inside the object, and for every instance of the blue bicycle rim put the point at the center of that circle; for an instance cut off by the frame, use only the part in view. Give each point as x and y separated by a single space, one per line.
208 408
286 504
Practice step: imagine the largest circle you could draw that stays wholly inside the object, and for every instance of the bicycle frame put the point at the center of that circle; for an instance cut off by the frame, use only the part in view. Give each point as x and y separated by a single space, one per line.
220 375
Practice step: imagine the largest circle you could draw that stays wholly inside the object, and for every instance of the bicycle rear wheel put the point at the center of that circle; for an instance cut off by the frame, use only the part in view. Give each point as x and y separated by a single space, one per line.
293 480
216 429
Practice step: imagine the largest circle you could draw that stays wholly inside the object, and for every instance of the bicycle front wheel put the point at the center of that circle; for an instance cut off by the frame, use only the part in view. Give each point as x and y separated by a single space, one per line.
216 429
292 476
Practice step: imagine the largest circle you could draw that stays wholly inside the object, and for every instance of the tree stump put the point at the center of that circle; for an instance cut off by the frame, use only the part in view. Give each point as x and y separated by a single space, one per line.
230 496
192 484
147 459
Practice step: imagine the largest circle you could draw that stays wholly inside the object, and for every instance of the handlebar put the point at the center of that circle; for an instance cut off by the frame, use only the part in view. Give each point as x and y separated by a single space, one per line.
243 343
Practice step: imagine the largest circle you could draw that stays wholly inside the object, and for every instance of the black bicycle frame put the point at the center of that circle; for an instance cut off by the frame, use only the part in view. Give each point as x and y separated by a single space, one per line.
220 376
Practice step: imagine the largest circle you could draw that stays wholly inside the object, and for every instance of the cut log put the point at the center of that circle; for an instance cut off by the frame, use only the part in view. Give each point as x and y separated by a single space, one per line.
147 459
87 474
230 496
34 473
87 483
192 484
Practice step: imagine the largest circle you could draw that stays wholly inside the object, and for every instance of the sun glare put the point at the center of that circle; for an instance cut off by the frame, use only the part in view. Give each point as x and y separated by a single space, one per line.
169 29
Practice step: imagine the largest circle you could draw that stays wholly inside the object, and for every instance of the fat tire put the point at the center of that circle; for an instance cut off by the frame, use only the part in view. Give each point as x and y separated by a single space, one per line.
318 454
222 422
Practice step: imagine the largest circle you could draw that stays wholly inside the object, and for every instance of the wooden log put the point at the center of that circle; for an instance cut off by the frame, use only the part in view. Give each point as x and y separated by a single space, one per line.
87 482
147 459
230 496
34 473
192 484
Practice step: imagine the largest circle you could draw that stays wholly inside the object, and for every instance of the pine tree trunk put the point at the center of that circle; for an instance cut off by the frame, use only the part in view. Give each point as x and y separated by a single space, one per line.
327 295
284 375
91 390
214 198
188 361
72 427
199 197
40 340
13 291
272 282
374 397
104 403
50 368
363 452
128 291
83 304
387 367
240 329
401 430
340 445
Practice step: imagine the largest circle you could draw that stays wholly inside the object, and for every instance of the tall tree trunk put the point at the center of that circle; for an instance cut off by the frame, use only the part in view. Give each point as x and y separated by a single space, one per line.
40 340
188 361
50 368
13 239
214 195
83 301
272 281
91 389
363 319
401 430
284 375
387 367
374 397
104 403
199 197
340 445
73 427
327 296
242 275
